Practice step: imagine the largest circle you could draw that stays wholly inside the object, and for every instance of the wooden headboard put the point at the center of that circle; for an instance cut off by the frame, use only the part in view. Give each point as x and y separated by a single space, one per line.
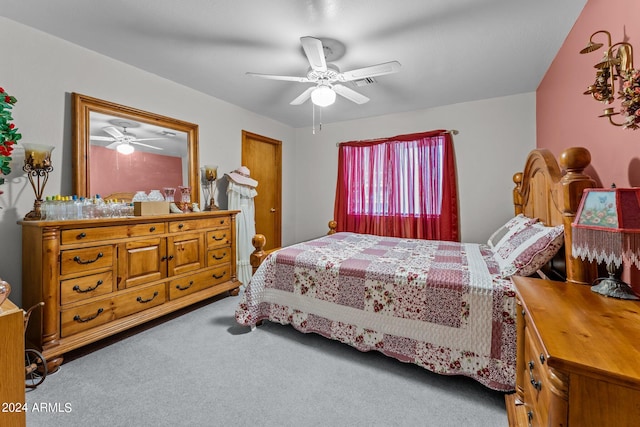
551 191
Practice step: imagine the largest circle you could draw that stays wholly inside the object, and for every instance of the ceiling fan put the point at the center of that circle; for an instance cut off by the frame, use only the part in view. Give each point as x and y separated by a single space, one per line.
328 78
123 141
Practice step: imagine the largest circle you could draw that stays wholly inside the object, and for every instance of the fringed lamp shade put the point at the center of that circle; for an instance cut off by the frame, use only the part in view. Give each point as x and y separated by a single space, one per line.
607 227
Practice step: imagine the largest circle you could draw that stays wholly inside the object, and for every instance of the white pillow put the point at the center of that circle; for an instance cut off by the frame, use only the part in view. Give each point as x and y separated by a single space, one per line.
527 250
512 226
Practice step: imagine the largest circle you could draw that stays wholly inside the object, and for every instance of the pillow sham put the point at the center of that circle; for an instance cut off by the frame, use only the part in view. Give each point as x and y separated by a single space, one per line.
515 224
528 249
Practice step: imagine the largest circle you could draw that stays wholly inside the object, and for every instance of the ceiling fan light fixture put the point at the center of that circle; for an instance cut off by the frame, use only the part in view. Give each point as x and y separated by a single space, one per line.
323 96
125 149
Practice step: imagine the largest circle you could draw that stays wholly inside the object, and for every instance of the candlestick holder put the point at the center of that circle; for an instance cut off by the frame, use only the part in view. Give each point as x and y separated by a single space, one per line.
210 174
37 165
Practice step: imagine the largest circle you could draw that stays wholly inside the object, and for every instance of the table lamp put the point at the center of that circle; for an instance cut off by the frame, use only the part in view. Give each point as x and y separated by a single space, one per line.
607 229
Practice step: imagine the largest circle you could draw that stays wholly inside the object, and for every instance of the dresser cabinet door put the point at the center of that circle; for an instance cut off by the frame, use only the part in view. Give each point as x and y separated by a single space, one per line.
142 261
185 253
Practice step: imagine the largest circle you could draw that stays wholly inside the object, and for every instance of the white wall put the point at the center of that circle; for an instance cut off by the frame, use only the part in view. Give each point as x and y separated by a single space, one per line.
495 137
41 72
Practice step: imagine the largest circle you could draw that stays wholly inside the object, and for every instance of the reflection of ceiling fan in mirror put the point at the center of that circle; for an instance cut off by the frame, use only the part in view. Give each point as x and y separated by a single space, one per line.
123 141
327 78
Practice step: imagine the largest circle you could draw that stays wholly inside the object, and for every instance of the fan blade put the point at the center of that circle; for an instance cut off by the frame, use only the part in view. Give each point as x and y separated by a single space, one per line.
146 145
350 94
113 145
114 132
315 53
102 138
147 139
303 96
371 71
275 77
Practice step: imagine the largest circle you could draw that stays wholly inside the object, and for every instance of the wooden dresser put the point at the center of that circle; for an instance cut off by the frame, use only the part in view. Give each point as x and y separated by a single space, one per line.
578 357
12 376
98 277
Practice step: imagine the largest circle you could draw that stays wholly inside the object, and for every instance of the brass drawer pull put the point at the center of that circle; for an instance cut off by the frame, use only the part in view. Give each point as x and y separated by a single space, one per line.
219 277
89 261
152 229
82 235
224 236
530 417
79 319
180 288
222 221
164 258
180 226
218 258
89 289
536 384
144 301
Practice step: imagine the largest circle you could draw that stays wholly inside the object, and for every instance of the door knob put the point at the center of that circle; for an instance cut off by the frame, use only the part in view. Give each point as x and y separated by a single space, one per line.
272 210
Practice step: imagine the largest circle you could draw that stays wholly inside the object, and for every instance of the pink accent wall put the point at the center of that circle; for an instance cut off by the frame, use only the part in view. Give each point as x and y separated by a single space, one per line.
567 118
113 172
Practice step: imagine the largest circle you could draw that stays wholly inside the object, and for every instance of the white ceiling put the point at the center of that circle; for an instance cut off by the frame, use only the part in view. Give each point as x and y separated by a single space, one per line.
451 51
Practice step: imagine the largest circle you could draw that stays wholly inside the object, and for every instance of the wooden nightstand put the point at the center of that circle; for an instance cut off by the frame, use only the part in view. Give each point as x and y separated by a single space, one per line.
12 370
578 357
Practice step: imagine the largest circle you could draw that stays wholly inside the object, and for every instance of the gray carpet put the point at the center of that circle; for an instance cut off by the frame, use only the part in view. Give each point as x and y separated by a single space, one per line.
202 369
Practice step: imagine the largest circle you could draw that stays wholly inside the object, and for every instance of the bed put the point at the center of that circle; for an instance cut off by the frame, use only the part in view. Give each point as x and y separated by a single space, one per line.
446 306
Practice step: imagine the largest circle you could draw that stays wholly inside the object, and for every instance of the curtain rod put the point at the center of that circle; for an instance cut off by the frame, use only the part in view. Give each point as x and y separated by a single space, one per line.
451 131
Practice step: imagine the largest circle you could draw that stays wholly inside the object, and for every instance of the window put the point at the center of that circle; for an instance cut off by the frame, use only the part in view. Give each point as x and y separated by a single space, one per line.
401 186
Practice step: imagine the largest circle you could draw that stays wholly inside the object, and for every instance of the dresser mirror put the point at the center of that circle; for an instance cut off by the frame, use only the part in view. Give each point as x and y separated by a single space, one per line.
119 150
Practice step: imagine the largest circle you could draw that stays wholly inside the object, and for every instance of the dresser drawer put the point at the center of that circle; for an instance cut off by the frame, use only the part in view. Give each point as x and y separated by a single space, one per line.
93 234
199 224
139 299
542 388
148 229
85 260
218 256
85 287
220 237
87 316
81 318
206 279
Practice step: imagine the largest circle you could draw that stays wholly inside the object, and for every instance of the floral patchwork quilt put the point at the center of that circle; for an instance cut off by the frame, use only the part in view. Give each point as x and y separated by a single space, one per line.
441 305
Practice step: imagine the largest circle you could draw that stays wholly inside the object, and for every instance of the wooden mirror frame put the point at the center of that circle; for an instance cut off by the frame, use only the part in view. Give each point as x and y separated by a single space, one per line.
83 105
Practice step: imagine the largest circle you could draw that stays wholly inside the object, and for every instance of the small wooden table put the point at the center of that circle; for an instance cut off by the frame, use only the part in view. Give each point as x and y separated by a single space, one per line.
578 357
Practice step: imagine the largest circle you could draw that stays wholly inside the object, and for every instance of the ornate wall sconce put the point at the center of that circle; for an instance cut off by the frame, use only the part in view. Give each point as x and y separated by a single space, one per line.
37 165
616 64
